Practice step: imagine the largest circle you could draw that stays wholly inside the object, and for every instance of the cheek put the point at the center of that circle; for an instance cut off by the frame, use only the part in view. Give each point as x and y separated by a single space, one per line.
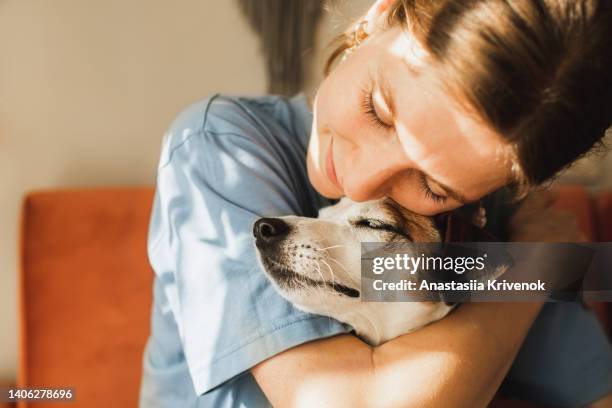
338 106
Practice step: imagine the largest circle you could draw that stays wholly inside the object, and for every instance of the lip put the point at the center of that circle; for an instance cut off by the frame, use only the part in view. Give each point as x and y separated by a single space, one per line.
330 167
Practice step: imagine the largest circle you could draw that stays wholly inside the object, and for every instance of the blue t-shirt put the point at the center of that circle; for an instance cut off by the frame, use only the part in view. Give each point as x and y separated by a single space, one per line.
224 163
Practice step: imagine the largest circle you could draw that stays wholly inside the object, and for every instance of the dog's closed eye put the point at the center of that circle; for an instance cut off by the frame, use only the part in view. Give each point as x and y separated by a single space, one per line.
376 224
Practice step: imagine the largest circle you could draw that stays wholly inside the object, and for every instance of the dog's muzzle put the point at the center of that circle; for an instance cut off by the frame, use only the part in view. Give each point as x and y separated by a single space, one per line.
270 231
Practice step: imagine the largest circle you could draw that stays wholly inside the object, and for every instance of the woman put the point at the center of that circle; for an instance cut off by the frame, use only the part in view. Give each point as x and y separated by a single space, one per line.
435 104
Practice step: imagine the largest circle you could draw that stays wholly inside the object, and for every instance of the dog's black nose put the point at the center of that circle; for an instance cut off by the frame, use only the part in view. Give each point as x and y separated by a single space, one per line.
270 229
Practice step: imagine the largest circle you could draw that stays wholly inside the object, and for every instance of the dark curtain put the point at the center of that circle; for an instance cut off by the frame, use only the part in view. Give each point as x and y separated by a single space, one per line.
286 29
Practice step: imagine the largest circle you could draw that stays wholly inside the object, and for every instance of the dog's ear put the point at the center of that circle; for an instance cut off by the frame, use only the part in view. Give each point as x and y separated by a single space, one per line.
457 226
496 263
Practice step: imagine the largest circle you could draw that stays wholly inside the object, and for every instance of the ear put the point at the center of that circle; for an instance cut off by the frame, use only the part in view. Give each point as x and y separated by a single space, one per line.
457 226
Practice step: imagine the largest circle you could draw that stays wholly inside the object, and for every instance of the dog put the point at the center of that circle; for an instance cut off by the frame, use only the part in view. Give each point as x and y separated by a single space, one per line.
315 263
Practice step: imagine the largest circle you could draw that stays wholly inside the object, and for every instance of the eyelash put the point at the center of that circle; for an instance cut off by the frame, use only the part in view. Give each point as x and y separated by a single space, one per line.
436 198
367 105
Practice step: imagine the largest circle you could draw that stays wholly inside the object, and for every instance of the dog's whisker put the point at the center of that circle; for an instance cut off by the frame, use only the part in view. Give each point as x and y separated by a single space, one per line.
356 282
321 275
328 267
331 258
325 303
331 272
318 269
329 247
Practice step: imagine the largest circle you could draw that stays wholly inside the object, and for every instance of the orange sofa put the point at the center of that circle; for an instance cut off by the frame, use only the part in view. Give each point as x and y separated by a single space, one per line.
85 288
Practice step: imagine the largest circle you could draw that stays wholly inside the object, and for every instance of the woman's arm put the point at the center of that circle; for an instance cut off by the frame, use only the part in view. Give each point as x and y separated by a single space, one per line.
458 361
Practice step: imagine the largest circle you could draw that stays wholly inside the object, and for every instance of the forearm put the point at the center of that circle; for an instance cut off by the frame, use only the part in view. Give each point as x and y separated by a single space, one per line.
459 361
331 372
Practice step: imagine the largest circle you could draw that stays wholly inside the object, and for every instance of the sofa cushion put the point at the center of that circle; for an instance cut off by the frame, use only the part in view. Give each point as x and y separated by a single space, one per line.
576 200
85 293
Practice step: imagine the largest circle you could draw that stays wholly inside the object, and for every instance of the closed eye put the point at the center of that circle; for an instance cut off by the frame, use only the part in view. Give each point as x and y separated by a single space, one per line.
375 224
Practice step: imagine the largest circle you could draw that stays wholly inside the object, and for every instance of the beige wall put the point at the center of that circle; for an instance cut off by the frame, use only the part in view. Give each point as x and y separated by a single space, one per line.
87 89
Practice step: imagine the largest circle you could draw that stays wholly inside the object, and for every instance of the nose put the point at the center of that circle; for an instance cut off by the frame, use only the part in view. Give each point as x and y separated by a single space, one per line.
372 179
270 229
371 182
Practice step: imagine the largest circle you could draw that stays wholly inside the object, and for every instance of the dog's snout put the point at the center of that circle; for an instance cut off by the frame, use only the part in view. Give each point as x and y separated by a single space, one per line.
270 229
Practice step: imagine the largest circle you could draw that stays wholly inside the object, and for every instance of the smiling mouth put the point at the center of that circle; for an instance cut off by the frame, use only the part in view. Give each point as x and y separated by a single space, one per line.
287 277
330 166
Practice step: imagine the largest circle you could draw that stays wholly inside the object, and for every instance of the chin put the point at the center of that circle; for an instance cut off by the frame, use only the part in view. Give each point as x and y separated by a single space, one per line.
323 187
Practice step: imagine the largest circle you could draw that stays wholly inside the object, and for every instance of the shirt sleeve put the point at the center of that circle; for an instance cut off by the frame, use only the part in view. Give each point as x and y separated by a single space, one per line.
218 173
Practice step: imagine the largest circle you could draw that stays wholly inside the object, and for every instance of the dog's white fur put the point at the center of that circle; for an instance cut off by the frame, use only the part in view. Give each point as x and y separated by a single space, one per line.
318 254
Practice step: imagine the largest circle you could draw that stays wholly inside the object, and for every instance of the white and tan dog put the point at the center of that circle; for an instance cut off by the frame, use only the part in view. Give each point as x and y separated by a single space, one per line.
315 263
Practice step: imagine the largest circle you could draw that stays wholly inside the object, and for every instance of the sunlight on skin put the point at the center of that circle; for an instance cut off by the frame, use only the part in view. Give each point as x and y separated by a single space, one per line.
422 362
309 392
483 142
424 129
431 133
314 149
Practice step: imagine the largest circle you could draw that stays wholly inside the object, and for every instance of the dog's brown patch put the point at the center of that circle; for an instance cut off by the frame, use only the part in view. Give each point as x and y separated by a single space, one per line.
420 227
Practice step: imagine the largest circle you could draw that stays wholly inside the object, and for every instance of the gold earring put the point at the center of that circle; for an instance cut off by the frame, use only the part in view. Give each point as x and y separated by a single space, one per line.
358 35
480 216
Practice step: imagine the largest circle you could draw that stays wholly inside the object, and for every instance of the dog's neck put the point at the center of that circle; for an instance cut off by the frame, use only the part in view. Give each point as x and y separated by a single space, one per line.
383 321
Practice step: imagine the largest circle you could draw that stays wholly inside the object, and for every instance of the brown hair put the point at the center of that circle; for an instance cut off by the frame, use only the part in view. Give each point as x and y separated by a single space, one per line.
539 72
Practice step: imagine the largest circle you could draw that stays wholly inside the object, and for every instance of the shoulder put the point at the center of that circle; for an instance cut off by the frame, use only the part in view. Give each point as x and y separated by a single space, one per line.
238 148
245 121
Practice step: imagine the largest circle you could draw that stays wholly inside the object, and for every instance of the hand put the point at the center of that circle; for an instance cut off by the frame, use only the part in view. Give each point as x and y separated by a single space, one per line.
537 221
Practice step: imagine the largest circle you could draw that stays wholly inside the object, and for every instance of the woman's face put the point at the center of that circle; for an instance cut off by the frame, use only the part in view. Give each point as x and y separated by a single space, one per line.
382 129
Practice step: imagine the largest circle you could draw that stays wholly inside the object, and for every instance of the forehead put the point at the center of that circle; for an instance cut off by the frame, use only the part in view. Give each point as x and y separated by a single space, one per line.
439 135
